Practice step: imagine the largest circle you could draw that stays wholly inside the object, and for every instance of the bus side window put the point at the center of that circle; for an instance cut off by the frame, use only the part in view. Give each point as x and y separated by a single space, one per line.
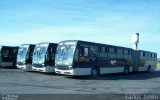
93 50
83 52
112 50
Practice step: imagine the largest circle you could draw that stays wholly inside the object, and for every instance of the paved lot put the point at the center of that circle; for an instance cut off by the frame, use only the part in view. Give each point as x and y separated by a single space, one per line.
19 82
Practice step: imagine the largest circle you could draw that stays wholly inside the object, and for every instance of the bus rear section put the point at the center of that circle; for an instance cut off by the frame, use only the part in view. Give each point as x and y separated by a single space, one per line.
74 57
44 57
8 56
24 56
144 61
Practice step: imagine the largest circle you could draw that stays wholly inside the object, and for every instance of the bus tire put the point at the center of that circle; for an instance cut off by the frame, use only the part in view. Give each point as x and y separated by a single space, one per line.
149 69
126 70
95 72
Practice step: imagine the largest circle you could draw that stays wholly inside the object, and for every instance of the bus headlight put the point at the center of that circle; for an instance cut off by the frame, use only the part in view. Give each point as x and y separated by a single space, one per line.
23 62
70 67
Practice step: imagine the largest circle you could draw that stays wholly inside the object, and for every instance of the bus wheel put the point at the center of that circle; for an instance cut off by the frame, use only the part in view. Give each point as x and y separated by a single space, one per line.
126 70
94 72
149 69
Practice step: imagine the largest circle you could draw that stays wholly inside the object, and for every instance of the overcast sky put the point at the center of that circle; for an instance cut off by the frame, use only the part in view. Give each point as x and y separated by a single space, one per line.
103 21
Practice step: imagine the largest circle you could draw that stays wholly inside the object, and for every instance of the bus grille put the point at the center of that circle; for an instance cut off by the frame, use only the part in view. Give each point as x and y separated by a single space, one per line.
63 67
38 65
20 63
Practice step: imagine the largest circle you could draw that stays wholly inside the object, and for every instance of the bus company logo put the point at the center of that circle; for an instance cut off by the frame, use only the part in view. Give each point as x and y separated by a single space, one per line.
113 62
9 97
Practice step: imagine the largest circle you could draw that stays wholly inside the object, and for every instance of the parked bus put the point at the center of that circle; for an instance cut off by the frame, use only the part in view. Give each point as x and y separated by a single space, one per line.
24 56
75 57
44 57
8 56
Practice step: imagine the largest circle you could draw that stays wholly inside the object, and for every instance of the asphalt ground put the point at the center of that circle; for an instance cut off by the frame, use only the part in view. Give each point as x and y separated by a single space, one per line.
17 81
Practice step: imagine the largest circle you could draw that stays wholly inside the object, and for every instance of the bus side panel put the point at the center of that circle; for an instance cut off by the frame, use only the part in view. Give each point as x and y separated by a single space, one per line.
135 60
145 62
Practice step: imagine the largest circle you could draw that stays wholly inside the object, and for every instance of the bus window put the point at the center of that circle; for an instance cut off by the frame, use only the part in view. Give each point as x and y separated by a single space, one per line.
93 50
106 50
126 52
143 54
130 52
152 55
52 54
155 56
102 49
147 55
120 51
112 50
83 51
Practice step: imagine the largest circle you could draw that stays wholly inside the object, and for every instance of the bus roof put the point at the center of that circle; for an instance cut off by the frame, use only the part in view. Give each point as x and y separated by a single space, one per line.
27 44
45 43
9 46
147 51
81 41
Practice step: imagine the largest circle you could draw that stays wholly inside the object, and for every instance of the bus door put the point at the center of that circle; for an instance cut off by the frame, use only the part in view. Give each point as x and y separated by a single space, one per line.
135 62
30 53
93 55
83 56
51 55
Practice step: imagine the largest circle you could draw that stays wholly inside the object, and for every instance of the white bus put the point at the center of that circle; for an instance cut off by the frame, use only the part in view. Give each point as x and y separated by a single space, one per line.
75 57
8 56
24 56
44 57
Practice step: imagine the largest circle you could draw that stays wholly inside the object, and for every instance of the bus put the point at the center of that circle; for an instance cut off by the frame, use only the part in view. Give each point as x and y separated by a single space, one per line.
75 57
24 56
44 57
8 56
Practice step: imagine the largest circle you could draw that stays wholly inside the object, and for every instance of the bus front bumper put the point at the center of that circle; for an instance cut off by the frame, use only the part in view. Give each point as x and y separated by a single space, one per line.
46 69
21 66
66 72
27 67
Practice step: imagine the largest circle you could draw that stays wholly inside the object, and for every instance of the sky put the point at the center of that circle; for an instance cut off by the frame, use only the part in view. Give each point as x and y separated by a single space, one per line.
103 21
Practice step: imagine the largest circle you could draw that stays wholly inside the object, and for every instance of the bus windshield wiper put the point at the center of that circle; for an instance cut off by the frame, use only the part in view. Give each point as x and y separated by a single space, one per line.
65 50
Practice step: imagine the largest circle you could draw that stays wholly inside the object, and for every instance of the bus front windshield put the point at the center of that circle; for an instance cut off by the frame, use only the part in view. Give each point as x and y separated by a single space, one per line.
39 54
22 54
65 54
